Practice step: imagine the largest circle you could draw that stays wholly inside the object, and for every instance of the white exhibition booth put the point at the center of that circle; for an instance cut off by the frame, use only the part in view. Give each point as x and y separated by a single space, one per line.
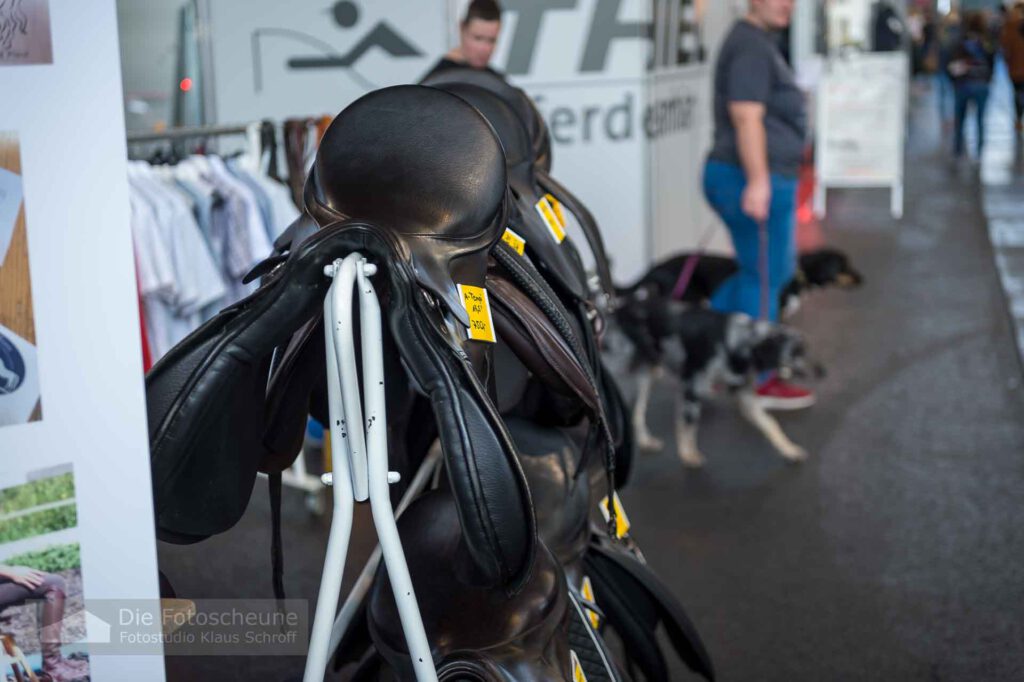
623 84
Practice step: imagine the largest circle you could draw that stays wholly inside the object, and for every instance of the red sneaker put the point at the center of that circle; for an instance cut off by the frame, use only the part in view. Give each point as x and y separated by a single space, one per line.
776 394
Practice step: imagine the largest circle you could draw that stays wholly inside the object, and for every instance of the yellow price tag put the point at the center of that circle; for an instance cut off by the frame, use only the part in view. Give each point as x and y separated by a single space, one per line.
621 520
547 214
587 591
481 327
514 240
577 669
557 205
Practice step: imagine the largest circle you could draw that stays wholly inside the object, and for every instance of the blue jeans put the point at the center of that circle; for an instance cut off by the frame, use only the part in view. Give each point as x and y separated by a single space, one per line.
966 93
946 98
723 187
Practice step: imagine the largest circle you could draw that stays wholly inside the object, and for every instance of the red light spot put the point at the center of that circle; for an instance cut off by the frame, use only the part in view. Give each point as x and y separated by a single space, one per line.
805 213
185 84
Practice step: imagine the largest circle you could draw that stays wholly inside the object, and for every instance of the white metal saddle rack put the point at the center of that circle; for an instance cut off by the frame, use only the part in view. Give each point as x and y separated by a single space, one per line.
359 451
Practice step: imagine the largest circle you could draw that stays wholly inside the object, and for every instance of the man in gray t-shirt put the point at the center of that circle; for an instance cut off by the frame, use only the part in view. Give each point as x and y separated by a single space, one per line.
751 174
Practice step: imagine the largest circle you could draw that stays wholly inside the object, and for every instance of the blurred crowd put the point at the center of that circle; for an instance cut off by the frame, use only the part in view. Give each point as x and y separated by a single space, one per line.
961 51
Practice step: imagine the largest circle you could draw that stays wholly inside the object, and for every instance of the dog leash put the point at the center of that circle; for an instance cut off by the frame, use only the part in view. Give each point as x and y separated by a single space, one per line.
762 256
690 266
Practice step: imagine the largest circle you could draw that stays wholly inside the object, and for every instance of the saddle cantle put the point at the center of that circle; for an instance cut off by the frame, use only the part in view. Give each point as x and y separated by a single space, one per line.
559 260
540 142
519 101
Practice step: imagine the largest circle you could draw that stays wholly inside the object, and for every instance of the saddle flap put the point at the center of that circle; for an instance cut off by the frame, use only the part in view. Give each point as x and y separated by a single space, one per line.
621 573
538 344
297 374
206 397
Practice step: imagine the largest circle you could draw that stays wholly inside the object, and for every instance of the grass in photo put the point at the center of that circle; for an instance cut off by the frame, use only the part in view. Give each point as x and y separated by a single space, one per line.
42 617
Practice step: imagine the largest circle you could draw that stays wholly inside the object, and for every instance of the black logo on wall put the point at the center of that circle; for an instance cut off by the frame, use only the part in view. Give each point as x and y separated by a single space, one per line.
12 367
346 15
605 28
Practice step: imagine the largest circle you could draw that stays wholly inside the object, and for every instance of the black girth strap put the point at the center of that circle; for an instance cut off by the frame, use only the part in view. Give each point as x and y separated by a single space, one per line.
276 544
533 284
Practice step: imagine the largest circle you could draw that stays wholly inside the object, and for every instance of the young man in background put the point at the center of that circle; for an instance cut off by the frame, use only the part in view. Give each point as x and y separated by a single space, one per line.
478 36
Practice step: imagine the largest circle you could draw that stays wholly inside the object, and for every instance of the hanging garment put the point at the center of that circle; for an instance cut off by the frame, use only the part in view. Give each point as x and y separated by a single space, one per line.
200 224
268 150
296 140
178 274
322 124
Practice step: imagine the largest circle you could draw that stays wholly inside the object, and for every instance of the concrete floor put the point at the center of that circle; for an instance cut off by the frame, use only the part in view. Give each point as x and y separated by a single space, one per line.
895 553
1002 179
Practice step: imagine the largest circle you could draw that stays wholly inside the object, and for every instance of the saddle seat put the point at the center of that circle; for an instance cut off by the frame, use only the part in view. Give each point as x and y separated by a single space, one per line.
519 101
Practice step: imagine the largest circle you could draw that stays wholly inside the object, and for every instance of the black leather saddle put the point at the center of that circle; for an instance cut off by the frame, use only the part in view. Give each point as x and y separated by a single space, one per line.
415 179
558 262
550 474
516 589
425 199
437 192
528 315
503 105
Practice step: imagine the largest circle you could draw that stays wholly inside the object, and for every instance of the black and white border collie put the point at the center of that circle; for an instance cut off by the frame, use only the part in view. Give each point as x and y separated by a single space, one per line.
705 350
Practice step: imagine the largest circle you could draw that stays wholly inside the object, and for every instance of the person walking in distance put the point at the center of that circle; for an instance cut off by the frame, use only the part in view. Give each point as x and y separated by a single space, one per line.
948 39
971 67
750 177
1012 39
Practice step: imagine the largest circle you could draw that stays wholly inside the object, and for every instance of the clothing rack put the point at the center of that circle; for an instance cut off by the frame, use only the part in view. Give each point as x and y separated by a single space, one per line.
182 133
184 141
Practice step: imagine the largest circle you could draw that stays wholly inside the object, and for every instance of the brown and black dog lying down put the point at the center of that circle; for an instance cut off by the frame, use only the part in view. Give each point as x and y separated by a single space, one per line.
822 268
